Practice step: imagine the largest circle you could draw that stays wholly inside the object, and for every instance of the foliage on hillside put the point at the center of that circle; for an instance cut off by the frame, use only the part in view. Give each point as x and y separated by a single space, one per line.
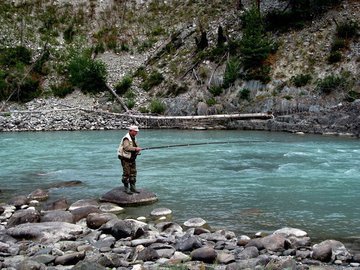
50 48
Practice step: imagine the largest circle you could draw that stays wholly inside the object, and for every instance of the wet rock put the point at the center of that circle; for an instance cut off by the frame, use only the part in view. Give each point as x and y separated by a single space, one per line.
287 231
39 194
70 259
58 215
159 212
95 220
83 203
60 204
169 227
195 222
18 201
82 212
204 254
66 184
111 208
118 196
24 216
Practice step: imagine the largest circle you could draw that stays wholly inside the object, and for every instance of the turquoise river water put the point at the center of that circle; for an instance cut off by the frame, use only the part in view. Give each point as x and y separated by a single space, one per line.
265 182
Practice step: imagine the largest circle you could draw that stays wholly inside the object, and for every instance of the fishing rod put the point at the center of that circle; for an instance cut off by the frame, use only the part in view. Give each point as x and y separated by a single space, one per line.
194 144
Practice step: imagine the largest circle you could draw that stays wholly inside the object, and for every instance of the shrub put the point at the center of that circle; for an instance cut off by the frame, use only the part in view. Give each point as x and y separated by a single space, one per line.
87 74
245 94
352 96
156 106
232 71
130 103
176 89
28 90
211 101
69 33
301 80
338 44
3 86
330 84
124 85
62 90
130 94
12 56
334 57
348 29
154 79
216 90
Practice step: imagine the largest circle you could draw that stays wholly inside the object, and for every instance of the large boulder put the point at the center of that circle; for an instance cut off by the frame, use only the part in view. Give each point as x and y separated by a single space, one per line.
118 196
57 215
95 220
330 250
128 228
24 216
18 201
83 212
46 232
204 254
83 203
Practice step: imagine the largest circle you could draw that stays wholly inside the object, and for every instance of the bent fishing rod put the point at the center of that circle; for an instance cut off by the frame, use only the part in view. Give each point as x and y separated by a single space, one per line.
194 144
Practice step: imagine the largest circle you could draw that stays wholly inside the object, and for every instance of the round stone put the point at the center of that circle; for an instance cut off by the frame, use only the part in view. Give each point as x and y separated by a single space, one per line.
194 222
158 212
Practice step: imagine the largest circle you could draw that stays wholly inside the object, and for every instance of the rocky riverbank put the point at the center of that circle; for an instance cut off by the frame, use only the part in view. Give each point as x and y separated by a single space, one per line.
81 112
38 234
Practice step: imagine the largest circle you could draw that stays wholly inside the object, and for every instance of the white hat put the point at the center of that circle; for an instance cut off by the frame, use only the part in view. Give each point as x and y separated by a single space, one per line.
135 128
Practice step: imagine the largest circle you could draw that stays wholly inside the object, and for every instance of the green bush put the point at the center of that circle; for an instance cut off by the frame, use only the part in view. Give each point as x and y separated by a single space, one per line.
61 90
331 83
87 74
156 106
3 86
301 80
124 85
352 96
347 30
232 71
130 94
130 103
154 79
14 55
334 57
28 90
211 102
216 90
245 94
338 44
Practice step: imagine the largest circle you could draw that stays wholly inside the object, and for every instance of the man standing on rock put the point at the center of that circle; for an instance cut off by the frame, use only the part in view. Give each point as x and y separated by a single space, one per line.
127 153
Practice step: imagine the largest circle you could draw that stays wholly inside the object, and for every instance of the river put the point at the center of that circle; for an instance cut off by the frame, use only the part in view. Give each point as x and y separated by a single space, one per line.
262 182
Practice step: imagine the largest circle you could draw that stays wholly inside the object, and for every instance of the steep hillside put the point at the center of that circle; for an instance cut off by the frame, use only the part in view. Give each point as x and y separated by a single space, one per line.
178 55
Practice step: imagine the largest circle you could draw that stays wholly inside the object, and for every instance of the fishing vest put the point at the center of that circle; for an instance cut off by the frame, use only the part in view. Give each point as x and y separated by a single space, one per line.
122 152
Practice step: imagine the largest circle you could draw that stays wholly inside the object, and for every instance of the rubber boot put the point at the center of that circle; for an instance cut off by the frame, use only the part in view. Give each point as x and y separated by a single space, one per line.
126 189
133 189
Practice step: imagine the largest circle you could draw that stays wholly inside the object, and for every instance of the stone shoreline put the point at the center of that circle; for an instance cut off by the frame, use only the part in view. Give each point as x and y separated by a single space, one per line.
87 234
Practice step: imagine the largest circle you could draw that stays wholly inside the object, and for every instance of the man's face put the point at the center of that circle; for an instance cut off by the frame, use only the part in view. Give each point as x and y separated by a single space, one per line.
133 133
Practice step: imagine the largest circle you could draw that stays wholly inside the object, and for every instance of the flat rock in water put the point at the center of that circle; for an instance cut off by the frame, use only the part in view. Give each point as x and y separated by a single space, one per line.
118 196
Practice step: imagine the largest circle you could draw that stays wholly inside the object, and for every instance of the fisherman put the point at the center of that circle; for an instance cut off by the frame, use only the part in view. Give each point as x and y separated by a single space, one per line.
127 153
